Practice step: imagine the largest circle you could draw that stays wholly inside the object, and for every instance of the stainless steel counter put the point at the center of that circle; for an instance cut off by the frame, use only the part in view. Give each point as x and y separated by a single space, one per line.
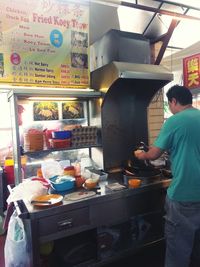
106 207
103 194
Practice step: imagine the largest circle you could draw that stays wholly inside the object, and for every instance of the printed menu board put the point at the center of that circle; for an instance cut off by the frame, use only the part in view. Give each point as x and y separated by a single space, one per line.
44 42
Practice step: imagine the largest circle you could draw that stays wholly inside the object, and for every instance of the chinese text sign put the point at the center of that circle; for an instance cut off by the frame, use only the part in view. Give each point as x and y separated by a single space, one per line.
191 71
44 42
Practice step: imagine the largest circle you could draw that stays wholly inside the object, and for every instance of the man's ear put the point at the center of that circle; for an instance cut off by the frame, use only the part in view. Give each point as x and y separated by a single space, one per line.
174 101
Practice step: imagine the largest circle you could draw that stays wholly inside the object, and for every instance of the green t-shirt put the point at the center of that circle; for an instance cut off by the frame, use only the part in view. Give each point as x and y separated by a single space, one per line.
180 135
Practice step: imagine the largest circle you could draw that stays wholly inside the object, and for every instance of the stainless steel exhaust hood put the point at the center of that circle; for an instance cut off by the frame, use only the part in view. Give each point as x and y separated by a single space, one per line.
105 76
120 70
128 88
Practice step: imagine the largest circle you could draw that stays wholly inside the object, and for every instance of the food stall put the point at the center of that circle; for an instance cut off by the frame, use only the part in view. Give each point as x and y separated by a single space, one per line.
83 226
93 226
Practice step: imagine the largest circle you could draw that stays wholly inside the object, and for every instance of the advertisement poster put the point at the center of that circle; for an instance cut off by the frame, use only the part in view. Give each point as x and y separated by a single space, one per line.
45 110
72 110
44 42
191 71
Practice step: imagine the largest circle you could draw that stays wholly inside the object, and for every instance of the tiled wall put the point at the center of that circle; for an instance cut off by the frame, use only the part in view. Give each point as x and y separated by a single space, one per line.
196 101
155 116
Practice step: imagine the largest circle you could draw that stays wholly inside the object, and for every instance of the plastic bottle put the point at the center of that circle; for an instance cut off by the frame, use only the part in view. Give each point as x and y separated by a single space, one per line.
77 167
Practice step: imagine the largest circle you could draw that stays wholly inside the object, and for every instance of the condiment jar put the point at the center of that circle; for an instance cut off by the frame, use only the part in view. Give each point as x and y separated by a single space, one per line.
70 170
79 181
77 167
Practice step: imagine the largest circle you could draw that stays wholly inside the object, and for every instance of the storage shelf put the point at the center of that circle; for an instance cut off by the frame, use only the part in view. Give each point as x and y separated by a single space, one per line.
124 253
22 96
25 92
32 153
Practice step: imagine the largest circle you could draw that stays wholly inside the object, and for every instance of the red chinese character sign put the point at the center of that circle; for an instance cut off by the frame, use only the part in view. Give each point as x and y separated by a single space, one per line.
191 71
44 42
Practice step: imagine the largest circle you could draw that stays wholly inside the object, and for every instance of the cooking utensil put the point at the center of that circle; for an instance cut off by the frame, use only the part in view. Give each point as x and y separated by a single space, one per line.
143 147
136 167
40 201
149 172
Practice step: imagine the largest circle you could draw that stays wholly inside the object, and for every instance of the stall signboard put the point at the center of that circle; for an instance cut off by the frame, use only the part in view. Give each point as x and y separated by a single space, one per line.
191 71
44 42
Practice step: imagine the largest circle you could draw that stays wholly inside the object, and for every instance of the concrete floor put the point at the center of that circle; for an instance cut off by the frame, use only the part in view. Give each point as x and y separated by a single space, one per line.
148 257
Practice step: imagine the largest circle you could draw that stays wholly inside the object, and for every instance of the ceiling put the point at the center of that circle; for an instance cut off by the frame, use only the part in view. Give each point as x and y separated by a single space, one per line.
175 23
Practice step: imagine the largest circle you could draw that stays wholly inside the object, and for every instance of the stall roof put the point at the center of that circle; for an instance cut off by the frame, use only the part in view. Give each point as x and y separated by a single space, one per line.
151 18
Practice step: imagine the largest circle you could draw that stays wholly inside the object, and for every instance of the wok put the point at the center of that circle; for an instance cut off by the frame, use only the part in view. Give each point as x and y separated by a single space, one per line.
140 168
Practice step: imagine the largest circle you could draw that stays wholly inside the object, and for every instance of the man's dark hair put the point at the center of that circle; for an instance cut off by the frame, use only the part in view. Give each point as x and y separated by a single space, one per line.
181 93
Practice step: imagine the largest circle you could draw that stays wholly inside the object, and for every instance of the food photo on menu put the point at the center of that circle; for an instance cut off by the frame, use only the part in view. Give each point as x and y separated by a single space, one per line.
72 110
79 60
79 39
45 110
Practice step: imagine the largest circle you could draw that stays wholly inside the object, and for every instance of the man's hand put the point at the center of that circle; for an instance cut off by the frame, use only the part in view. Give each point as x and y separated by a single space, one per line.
153 153
139 154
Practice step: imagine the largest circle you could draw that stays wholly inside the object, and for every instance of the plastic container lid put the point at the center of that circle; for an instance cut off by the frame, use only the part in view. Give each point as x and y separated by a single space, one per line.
10 162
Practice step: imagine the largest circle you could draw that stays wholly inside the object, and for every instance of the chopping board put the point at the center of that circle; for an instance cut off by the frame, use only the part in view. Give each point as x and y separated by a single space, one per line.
79 195
116 186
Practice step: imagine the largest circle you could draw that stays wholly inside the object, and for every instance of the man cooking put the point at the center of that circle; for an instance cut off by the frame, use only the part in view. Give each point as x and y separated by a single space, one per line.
180 137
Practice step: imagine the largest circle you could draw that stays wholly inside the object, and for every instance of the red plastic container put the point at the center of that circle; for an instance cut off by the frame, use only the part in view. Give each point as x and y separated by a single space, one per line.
60 143
70 170
10 177
9 169
48 137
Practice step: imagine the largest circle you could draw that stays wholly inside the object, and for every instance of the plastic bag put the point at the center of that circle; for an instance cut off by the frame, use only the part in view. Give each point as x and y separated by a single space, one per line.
51 168
27 190
16 248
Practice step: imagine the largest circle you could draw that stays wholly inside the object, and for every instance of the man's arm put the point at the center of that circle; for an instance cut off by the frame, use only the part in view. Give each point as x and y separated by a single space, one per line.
151 154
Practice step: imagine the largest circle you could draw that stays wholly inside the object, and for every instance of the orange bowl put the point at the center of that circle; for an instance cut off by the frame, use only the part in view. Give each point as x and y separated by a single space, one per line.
90 183
134 183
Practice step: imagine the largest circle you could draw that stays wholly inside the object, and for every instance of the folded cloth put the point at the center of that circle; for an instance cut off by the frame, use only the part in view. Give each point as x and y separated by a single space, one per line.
116 186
